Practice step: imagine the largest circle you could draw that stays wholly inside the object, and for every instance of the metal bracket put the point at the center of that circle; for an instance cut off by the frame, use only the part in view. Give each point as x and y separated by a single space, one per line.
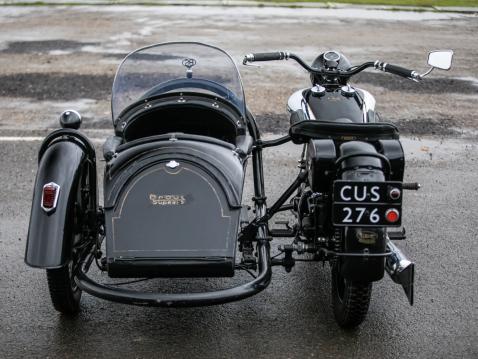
364 254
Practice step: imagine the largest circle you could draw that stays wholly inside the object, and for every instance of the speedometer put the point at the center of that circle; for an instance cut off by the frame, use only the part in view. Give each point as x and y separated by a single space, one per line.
332 56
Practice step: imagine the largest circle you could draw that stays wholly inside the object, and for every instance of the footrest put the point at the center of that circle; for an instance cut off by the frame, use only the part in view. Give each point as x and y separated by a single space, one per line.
172 267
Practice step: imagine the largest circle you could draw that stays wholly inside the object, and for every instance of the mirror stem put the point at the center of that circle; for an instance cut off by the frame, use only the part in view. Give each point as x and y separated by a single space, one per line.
427 72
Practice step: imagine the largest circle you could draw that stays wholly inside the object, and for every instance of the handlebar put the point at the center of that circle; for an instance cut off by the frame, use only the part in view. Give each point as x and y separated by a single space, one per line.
265 56
382 66
397 70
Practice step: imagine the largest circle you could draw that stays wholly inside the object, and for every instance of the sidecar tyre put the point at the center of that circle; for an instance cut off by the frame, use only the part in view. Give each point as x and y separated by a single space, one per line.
350 300
65 294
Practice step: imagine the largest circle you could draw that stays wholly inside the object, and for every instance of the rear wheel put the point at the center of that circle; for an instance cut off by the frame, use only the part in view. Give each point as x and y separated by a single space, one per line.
350 300
351 297
65 294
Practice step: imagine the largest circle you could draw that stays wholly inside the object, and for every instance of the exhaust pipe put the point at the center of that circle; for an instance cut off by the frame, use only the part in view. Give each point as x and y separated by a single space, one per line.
400 269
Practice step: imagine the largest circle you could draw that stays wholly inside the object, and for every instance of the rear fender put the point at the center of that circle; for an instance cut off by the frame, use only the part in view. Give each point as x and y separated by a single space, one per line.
65 157
362 163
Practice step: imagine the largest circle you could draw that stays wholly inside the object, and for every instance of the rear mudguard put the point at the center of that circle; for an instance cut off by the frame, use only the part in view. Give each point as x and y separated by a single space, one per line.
64 158
356 167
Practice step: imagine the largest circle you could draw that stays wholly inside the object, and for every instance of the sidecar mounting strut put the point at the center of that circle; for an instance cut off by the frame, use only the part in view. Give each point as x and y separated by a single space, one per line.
129 296
250 230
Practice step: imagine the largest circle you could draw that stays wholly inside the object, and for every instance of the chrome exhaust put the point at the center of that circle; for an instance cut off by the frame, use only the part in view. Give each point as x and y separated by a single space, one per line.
400 269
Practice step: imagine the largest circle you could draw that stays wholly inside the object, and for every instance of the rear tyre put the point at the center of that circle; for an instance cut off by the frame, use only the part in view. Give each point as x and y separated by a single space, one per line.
65 294
350 300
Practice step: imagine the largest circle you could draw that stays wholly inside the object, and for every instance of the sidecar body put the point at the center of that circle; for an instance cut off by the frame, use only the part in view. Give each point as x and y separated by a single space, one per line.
173 180
181 203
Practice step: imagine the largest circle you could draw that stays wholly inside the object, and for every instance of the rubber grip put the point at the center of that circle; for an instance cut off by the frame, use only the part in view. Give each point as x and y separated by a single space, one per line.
269 56
397 70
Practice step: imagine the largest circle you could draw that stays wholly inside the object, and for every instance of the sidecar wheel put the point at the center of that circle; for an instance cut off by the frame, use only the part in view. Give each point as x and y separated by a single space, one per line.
64 292
350 300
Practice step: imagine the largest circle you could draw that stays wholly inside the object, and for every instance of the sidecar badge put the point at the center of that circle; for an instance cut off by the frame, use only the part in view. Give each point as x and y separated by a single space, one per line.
167 200
49 198
172 164
189 63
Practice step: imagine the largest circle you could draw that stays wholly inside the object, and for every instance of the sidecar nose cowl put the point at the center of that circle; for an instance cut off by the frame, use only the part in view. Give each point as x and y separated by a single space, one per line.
70 119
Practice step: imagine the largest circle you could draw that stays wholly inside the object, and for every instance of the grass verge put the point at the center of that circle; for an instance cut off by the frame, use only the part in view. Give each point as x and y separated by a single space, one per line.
429 3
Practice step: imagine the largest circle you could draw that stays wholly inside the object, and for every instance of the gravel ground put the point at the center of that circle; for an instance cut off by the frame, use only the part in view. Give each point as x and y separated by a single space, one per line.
57 57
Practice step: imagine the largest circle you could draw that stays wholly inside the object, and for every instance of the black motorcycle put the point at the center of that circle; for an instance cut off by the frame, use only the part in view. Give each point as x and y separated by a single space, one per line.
174 177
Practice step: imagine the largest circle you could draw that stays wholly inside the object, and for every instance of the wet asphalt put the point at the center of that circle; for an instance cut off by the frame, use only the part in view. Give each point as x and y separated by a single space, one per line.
53 58
292 318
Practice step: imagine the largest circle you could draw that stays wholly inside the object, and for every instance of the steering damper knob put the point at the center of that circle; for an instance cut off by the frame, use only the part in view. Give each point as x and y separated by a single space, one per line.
70 119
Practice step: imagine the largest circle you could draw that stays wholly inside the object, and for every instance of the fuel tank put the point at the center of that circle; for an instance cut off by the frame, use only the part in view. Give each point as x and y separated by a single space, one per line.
172 208
346 104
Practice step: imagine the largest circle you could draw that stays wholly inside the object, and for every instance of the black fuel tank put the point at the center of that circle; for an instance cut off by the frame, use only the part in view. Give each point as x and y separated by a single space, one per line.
334 106
173 209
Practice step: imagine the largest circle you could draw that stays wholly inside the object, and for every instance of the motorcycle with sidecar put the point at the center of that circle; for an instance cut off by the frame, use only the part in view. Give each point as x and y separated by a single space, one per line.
174 178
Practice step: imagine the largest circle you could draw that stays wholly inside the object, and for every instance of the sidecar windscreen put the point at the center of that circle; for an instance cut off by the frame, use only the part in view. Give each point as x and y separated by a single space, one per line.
176 67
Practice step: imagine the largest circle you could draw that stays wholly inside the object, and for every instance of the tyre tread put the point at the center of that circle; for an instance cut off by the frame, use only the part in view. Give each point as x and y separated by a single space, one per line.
62 296
352 311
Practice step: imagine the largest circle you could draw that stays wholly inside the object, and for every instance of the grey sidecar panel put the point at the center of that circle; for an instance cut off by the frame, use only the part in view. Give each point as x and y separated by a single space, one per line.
172 212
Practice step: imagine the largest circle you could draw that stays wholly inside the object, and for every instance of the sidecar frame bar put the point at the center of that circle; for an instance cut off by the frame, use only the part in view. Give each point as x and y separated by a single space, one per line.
129 296
271 143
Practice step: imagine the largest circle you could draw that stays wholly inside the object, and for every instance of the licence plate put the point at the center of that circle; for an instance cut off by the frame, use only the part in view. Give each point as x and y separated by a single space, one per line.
365 204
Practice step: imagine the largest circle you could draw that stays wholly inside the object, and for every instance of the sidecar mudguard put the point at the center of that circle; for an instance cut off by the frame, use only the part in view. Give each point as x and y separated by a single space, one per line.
62 159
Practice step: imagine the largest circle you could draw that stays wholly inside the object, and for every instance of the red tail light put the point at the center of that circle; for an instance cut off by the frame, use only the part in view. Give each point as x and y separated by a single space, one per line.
392 215
49 197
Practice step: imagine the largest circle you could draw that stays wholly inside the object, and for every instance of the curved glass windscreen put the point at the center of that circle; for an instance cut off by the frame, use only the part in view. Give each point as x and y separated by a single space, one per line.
176 67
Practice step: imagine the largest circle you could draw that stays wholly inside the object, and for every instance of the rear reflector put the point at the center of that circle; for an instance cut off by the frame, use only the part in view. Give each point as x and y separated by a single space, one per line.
49 197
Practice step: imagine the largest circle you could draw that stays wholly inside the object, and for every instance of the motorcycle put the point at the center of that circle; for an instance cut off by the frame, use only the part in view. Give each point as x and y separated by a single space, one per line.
174 177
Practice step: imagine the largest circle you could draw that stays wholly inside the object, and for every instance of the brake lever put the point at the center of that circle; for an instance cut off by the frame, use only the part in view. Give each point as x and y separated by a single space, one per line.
245 63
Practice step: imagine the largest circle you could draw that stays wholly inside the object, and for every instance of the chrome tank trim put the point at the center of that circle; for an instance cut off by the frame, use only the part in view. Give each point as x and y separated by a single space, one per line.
369 103
297 102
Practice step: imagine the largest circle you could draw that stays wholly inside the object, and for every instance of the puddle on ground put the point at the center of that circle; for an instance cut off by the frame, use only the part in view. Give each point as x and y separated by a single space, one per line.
56 86
44 46
432 85
61 86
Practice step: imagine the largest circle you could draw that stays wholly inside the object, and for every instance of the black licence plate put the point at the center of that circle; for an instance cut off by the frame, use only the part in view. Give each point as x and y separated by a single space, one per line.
359 204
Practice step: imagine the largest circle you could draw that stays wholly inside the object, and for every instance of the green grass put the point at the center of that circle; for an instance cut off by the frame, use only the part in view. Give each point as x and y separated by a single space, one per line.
465 3
289 3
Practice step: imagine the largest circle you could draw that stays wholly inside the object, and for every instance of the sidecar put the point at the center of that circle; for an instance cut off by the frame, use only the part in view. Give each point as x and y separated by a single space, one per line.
173 184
